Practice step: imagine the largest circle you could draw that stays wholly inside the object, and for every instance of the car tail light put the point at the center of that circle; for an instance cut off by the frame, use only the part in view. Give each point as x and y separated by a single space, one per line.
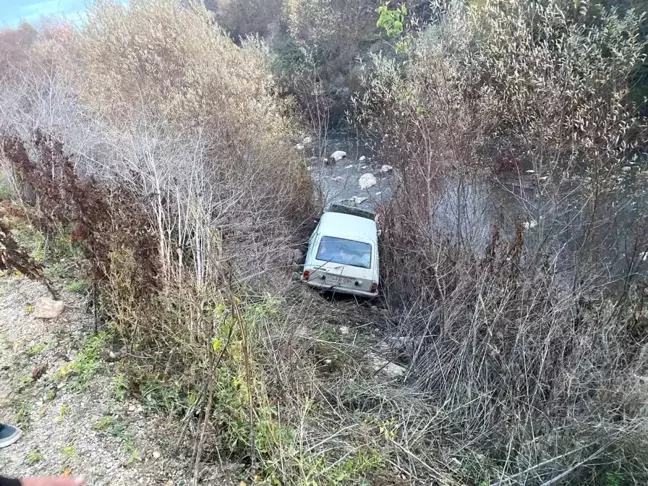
374 288
306 274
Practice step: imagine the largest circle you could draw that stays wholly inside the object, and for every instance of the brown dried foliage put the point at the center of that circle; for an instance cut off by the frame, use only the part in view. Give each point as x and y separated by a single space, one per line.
13 257
101 218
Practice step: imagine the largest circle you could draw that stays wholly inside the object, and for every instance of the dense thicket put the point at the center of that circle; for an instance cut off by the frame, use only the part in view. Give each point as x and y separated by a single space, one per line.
514 249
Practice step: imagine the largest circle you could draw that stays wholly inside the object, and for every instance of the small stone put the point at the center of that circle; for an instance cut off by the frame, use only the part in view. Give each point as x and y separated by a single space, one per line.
39 371
386 168
387 367
349 166
344 330
132 408
47 308
367 180
626 168
307 141
363 158
156 454
530 224
338 155
297 255
299 147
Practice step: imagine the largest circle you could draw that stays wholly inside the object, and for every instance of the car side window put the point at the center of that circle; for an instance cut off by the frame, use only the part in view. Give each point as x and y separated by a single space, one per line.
311 245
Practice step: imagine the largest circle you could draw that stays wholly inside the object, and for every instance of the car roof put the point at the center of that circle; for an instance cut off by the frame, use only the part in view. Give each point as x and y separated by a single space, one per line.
348 227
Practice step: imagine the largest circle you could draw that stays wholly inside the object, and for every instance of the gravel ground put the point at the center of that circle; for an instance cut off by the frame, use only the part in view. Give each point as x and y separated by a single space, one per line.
80 430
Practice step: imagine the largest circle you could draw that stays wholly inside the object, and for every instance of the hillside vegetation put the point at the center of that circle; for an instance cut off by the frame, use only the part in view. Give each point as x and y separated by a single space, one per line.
154 147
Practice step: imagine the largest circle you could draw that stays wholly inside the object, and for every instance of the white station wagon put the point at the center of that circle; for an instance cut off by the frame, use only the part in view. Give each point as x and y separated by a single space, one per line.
343 252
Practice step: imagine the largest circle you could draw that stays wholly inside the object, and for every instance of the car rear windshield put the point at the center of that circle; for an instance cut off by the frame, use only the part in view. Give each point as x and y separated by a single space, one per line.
347 252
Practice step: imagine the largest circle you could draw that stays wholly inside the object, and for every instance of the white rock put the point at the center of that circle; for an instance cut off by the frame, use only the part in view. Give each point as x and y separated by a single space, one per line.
299 147
367 180
530 171
349 166
307 141
338 155
363 166
363 158
358 199
344 330
156 454
626 168
386 168
392 369
387 367
530 224
47 308
378 193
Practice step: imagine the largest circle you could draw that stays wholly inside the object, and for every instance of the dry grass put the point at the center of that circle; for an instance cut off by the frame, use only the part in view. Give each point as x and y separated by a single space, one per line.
529 341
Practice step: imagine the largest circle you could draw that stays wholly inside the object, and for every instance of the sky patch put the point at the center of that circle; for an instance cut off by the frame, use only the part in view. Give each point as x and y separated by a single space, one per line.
12 12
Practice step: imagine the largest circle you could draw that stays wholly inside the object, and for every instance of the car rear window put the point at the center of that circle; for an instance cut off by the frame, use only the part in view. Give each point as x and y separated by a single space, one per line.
346 252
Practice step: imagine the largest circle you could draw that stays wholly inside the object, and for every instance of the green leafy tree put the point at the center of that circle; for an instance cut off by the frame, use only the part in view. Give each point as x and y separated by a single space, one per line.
392 20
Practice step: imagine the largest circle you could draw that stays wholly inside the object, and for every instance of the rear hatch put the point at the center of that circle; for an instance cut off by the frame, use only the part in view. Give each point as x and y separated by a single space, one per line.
343 277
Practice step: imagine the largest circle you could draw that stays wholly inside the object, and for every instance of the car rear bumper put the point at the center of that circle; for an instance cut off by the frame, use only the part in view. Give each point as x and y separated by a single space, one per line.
341 290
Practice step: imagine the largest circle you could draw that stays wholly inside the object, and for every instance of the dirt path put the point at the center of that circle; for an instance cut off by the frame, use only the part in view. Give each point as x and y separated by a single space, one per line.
74 417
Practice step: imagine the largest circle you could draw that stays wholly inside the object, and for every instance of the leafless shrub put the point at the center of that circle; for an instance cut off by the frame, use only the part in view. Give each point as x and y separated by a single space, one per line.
193 100
185 194
526 336
243 18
